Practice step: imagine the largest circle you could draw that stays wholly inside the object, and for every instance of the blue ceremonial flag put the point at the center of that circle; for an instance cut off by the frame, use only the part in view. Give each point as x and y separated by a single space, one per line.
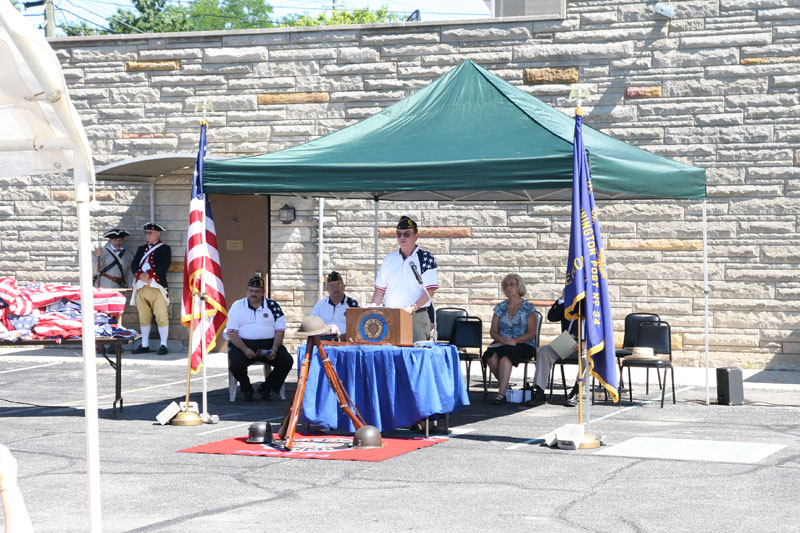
586 274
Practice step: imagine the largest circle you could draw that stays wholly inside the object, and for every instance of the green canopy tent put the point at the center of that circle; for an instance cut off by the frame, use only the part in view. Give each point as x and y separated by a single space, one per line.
468 136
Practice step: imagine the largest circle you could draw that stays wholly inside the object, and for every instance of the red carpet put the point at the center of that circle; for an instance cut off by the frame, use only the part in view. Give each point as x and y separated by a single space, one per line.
318 446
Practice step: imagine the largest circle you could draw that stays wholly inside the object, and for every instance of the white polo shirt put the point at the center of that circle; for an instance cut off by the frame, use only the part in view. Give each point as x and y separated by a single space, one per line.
256 324
334 314
398 280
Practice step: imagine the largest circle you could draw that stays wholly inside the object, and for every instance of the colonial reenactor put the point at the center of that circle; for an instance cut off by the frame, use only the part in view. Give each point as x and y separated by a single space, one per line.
256 326
397 284
150 265
112 263
332 308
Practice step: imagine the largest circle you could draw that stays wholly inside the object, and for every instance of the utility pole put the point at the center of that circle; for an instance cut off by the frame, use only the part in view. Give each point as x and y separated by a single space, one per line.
49 19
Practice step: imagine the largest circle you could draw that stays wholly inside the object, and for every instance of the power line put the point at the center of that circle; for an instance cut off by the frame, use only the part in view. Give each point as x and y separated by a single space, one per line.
108 19
84 19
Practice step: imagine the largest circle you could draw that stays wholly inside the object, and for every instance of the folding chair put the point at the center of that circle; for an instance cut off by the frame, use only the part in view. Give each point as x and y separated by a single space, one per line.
656 335
467 333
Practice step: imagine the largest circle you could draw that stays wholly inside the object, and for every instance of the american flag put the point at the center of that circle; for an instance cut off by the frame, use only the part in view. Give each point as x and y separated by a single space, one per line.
201 269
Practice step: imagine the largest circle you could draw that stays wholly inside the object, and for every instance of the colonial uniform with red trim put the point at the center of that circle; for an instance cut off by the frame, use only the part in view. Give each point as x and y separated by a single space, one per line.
151 296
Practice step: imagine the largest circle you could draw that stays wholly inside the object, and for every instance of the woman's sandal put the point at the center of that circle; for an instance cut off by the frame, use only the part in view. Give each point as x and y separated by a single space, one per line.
499 399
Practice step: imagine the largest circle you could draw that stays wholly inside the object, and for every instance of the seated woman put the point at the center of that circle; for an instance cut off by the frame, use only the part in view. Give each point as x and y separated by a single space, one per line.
513 330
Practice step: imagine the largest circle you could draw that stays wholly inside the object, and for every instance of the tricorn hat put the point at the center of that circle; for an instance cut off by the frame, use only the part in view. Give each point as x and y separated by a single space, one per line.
311 326
154 226
116 233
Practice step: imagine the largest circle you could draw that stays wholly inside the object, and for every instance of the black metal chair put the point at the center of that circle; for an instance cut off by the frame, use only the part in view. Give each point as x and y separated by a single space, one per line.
445 317
467 333
525 387
656 335
632 322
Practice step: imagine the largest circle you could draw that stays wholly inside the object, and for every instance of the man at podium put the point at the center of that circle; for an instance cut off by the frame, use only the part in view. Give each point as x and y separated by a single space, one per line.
403 275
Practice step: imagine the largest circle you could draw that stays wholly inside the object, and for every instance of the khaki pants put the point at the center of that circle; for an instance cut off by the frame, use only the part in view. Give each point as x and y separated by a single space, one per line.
149 302
422 325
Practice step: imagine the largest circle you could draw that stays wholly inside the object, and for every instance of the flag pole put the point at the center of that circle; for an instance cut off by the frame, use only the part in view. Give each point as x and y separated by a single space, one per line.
205 415
580 369
186 417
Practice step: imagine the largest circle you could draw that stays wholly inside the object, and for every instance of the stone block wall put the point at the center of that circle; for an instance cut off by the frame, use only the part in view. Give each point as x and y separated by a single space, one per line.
716 87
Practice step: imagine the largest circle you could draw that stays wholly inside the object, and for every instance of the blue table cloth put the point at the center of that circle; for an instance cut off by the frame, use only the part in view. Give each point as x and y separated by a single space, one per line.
391 386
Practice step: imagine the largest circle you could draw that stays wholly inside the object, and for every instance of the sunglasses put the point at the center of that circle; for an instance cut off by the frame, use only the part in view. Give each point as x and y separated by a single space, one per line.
405 234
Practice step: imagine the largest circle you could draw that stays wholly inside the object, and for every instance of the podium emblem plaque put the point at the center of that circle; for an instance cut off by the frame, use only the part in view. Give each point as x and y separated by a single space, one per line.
379 324
373 328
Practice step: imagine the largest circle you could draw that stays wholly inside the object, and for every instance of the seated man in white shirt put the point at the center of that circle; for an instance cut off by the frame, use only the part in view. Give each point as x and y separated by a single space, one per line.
332 308
255 329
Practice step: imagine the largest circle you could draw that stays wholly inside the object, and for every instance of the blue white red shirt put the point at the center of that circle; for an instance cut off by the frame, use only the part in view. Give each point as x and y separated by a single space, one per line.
398 280
334 314
256 324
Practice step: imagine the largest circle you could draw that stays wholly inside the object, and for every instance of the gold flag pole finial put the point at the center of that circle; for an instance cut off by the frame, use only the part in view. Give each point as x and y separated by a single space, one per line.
205 106
577 94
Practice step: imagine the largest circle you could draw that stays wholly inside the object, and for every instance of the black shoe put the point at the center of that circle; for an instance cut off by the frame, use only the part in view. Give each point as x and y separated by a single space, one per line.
572 401
248 396
141 349
573 393
538 399
162 350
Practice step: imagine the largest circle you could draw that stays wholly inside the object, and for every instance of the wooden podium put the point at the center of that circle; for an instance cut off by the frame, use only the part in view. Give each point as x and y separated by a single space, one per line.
379 324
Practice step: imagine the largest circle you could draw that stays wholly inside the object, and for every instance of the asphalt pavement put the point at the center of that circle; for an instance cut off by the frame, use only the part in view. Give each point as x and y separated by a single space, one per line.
686 467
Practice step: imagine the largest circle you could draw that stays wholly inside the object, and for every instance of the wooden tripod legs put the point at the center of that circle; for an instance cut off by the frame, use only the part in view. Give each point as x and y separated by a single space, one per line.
289 422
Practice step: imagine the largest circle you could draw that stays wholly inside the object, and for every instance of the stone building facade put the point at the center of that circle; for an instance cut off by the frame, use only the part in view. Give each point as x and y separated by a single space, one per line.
716 86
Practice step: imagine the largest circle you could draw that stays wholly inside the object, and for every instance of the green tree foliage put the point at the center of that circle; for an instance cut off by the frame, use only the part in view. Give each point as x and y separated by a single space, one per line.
164 16
338 17
208 15
151 16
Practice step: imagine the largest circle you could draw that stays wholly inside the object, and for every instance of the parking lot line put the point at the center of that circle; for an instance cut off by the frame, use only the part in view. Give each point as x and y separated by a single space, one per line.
29 367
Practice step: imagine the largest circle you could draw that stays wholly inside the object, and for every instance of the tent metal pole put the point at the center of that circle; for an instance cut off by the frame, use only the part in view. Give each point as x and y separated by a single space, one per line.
375 238
320 272
152 203
83 176
89 354
705 293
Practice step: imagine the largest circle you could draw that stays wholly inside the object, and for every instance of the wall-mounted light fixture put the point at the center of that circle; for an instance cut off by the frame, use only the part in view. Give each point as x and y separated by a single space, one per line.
286 214
665 10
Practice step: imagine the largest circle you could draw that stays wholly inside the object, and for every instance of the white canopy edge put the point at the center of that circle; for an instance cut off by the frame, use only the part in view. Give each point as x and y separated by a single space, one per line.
42 134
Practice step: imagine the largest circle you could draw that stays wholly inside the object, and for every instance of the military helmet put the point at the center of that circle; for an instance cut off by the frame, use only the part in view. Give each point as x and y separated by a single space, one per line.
367 437
259 433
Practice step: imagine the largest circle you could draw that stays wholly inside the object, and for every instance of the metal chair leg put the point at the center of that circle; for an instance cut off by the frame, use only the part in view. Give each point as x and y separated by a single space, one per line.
672 371
647 382
552 379
564 381
630 385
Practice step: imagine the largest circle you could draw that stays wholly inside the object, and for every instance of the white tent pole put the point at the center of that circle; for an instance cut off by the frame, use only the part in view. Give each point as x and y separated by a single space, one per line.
87 332
83 167
321 247
705 292
152 203
375 238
